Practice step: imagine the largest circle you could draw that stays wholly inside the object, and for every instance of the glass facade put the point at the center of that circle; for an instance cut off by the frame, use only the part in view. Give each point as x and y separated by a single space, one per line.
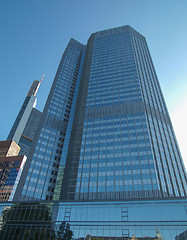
29 132
105 131
95 220
10 171
167 158
43 164
115 151
122 143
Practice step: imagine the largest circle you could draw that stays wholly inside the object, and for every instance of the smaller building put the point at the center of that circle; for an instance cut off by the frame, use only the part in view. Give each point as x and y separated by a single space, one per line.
9 148
14 166
11 166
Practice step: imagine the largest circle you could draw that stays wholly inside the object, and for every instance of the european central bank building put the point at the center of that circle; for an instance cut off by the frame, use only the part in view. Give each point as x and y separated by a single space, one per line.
104 163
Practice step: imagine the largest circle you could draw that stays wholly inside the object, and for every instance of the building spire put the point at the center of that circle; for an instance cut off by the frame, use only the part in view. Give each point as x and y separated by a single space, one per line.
42 78
34 88
38 85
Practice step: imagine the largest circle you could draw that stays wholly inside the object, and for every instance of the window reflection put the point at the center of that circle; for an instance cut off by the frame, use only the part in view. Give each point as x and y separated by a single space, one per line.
96 220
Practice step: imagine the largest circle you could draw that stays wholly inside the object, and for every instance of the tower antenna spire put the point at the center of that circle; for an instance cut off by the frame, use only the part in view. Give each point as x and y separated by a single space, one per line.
38 85
42 78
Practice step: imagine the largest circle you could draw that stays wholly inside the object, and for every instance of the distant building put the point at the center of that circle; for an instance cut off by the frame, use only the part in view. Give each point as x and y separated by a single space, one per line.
8 148
26 123
10 172
11 166
29 131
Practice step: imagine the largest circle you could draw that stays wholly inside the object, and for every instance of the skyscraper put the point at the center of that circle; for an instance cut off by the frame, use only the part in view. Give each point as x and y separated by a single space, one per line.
26 123
105 158
29 131
106 131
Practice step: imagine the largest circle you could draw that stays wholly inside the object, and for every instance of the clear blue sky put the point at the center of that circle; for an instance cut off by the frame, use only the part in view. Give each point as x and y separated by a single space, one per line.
35 33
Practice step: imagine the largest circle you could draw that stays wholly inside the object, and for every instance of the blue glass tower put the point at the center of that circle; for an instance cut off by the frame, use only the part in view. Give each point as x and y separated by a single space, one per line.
44 158
105 158
106 132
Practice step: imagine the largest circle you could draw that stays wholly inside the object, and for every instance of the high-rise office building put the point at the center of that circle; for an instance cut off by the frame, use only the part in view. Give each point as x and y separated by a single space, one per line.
26 123
105 158
106 132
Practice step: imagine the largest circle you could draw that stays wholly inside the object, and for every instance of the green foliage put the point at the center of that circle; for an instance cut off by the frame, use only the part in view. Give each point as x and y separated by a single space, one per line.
64 232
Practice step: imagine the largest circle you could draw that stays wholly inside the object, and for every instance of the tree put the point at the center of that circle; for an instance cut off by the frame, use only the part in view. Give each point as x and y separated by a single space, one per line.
64 232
